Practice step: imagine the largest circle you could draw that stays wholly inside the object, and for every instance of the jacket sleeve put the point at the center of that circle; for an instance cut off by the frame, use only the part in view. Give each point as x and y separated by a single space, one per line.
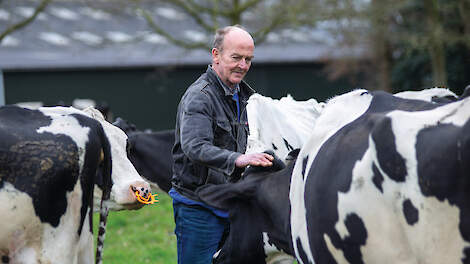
196 135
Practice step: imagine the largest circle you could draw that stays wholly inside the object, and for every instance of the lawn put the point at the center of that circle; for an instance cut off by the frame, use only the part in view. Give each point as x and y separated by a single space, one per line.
140 236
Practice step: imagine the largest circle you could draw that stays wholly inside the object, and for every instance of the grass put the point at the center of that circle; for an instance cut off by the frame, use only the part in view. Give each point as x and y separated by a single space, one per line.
140 236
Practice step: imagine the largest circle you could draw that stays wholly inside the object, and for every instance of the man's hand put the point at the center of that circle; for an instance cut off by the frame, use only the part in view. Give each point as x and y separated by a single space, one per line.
254 159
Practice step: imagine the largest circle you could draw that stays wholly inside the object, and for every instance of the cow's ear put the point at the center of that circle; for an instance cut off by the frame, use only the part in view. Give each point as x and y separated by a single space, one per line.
278 165
293 154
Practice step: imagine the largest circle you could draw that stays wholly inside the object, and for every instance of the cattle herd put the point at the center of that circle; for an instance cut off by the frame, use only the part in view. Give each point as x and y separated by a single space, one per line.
365 177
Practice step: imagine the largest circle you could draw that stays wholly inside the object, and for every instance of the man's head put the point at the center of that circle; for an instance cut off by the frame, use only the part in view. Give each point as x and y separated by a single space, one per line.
232 53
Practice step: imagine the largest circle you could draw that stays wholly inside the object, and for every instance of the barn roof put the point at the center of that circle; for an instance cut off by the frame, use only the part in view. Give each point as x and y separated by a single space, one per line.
76 34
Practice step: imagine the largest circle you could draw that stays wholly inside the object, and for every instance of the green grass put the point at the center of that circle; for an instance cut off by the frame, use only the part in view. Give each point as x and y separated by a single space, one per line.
140 236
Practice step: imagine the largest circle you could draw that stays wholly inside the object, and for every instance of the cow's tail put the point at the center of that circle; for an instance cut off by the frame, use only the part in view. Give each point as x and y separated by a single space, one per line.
106 187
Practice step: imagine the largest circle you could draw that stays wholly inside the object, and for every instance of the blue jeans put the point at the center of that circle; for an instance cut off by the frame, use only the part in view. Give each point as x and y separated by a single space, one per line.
198 233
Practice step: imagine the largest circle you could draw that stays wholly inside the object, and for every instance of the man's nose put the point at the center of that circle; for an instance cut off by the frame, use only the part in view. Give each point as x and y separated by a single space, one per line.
244 64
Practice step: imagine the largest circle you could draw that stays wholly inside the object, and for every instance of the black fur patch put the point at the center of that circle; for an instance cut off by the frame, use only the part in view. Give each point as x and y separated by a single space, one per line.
357 237
378 178
410 212
274 146
288 146
391 162
304 166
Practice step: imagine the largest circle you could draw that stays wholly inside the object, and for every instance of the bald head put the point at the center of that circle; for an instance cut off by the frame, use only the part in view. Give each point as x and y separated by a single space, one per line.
231 32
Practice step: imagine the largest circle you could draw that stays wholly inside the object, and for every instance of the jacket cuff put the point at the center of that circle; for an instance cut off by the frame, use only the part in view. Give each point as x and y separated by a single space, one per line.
231 162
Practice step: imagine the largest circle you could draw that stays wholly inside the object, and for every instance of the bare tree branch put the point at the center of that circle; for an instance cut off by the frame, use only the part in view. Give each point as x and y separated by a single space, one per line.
169 37
26 21
261 34
248 4
193 12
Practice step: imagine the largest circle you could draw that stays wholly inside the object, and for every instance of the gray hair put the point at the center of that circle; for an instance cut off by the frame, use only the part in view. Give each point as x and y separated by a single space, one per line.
220 34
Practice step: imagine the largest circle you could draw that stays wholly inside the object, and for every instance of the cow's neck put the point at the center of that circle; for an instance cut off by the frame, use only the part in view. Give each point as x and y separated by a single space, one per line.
273 198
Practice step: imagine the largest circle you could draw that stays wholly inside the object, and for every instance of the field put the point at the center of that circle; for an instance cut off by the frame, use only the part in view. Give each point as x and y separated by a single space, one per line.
141 236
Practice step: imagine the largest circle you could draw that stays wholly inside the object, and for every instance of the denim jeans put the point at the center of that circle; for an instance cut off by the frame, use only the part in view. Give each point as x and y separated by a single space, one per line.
198 233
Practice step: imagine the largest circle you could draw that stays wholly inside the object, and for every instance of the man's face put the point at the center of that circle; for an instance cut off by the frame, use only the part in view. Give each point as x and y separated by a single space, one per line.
234 60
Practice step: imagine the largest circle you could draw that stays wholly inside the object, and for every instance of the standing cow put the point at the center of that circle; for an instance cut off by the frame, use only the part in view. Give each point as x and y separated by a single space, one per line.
48 163
382 179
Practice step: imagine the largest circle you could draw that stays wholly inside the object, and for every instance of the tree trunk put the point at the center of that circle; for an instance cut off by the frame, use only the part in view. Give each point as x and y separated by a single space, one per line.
381 47
436 45
464 9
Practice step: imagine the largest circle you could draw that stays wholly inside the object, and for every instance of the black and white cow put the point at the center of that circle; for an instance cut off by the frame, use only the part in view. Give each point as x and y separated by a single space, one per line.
382 179
48 163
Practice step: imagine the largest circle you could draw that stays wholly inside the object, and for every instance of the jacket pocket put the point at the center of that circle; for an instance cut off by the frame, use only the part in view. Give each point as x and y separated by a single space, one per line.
223 137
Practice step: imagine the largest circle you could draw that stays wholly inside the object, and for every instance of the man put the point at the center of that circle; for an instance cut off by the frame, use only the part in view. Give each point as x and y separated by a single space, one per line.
210 137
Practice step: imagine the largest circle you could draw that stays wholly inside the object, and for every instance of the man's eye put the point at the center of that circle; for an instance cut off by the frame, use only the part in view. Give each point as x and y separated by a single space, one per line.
237 58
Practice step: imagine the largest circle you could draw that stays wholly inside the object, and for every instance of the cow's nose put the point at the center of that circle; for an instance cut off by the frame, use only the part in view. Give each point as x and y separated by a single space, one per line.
143 188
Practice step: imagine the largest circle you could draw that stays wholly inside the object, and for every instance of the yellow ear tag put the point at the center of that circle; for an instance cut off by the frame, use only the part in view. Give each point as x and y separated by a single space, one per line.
151 199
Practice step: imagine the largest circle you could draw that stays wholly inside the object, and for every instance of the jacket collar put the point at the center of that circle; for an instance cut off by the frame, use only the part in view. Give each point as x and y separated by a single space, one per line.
244 88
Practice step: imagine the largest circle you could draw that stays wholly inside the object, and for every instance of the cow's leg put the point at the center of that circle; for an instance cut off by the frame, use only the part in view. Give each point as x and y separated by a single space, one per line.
85 246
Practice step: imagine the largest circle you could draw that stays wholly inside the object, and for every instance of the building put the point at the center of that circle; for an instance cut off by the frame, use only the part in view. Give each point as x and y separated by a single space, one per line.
75 50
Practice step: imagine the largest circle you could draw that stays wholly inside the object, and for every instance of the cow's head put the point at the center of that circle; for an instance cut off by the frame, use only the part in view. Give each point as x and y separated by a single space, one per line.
125 178
258 203
125 125
281 125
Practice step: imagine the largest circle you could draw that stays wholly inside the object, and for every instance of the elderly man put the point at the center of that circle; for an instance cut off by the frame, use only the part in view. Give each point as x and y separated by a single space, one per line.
210 137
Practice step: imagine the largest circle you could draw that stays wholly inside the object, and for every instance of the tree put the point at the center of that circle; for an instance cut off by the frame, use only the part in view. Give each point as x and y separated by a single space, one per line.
23 23
212 14
412 43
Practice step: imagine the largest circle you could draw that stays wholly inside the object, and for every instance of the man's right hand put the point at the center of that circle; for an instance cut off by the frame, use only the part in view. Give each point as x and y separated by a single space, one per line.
254 159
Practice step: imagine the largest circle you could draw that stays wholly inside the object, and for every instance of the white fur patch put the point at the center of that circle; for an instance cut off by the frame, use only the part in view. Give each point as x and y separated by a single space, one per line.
426 94
272 121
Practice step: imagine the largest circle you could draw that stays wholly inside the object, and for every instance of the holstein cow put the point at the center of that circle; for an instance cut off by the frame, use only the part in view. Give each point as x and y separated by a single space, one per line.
382 179
48 163
286 124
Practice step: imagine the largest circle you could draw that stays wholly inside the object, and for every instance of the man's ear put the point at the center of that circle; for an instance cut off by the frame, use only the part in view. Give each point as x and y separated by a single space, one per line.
215 55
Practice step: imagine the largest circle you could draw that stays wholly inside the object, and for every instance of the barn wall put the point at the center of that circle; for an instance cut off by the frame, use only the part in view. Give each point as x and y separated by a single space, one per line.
149 97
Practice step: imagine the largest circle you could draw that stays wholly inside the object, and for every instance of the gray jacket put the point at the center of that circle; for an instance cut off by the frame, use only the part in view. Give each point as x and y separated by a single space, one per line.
208 135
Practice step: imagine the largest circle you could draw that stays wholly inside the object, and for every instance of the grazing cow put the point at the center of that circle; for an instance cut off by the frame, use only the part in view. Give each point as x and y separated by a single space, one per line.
48 163
382 179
